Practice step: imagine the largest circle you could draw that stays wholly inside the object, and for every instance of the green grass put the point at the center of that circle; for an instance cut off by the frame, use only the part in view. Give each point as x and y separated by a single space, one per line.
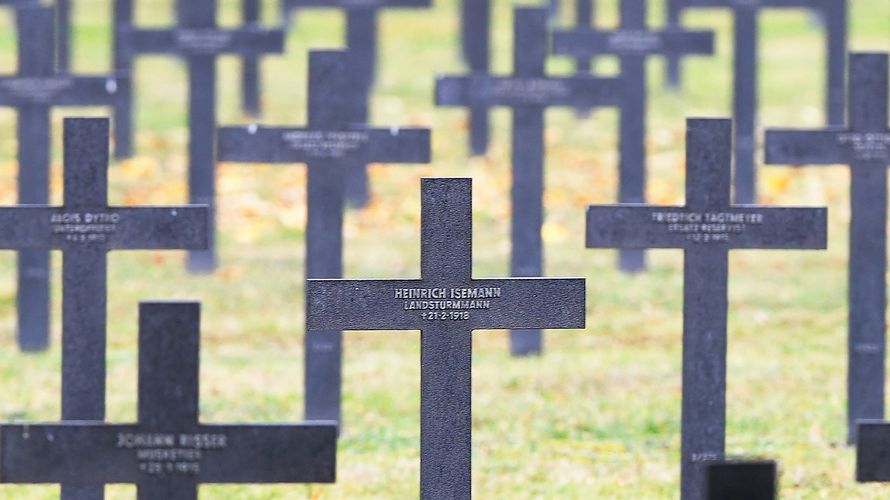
598 416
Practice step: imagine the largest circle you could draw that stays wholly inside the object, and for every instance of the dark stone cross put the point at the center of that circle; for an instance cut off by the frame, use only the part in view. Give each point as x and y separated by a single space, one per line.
197 39
329 147
361 40
873 451
446 304
168 453
33 91
633 43
585 17
85 229
740 480
528 92
707 228
864 145
476 47
745 95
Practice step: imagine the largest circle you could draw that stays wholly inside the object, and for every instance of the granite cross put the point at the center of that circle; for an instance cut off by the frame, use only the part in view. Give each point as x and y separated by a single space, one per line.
529 91
446 304
707 228
168 453
864 145
633 43
33 92
329 147
585 16
745 96
740 480
873 451
122 13
476 47
361 40
198 40
85 229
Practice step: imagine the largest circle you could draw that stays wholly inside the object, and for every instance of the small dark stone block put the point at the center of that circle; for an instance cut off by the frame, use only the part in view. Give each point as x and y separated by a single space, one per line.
873 451
741 480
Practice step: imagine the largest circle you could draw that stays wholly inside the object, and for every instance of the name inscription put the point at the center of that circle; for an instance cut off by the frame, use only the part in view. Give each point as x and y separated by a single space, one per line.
529 90
325 144
867 147
84 227
40 90
169 453
634 42
707 227
203 41
446 304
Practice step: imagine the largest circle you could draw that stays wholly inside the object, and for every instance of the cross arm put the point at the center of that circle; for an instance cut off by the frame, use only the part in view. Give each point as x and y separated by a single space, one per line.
115 227
825 147
202 41
644 226
527 91
411 304
300 145
90 453
530 303
583 43
61 90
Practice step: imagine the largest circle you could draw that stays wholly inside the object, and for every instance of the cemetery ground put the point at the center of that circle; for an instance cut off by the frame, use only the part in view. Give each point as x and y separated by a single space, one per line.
598 415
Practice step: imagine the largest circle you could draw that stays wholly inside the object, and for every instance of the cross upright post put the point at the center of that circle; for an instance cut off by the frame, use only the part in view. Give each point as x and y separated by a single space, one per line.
197 39
745 95
476 48
168 453
446 304
633 43
864 145
707 228
329 146
33 92
250 64
528 92
85 229
361 40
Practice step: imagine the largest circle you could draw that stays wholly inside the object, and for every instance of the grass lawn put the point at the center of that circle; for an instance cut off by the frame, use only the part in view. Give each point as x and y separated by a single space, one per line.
597 416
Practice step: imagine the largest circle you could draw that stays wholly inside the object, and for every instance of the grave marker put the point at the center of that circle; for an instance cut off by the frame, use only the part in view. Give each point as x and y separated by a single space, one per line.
707 228
168 453
197 39
633 43
33 91
528 92
745 95
329 146
741 480
447 304
361 39
85 229
476 46
873 451
864 145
